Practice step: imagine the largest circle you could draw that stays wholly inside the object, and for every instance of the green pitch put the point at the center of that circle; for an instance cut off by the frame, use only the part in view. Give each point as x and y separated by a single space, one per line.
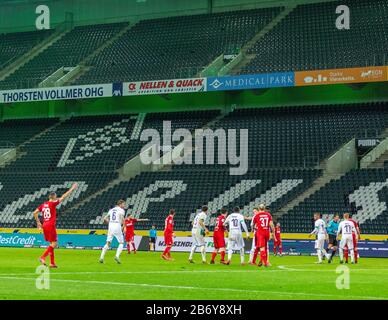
146 276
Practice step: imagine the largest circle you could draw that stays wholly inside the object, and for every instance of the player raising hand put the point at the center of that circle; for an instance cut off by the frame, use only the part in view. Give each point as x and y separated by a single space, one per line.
129 231
49 212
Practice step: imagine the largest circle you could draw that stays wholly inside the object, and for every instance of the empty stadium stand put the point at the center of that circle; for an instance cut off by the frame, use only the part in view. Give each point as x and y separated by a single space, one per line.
307 39
68 51
180 47
175 47
14 45
363 193
303 136
21 193
15 132
98 142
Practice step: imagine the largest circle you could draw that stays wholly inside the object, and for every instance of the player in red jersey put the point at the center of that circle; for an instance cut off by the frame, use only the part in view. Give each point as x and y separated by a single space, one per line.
278 242
219 237
49 213
129 230
263 223
168 235
356 238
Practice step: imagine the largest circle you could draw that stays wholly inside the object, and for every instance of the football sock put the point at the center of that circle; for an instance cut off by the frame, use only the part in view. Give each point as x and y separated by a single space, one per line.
355 255
242 255
133 246
203 253
319 254
251 254
214 254
255 255
103 252
119 249
341 254
222 255
333 253
230 252
46 252
262 256
51 254
346 251
128 247
192 251
352 255
281 250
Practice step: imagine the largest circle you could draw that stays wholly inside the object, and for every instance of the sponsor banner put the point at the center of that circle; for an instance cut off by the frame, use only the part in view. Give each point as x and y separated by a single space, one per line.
183 244
335 76
164 86
251 81
367 143
64 240
377 249
366 248
60 93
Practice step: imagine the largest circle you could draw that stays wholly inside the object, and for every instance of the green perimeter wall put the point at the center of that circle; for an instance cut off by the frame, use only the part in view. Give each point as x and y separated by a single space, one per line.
18 16
315 95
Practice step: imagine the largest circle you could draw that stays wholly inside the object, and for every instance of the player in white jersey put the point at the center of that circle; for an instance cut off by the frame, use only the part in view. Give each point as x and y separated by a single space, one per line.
115 218
235 238
198 232
346 229
321 234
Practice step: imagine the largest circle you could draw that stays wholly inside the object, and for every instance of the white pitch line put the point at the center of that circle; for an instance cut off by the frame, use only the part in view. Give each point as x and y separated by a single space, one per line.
143 272
320 270
177 272
147 285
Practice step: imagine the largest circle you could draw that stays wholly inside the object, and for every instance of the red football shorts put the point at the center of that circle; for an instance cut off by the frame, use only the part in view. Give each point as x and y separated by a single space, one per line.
50 233
261 240
129 237
168 239
219 241
278 243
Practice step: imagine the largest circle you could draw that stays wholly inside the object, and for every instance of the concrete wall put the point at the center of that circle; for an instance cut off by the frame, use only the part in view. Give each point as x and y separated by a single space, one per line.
344 160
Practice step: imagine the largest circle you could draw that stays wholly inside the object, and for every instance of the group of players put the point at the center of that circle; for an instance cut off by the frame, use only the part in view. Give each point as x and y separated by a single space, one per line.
350 234
261 224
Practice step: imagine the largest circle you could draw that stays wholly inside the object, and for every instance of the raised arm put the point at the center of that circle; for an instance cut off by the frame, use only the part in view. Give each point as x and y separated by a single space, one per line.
68 192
